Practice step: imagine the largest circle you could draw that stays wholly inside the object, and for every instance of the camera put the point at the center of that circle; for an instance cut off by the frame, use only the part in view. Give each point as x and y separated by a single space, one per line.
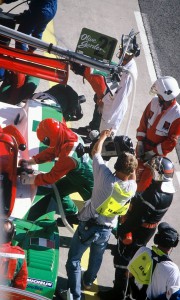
112 146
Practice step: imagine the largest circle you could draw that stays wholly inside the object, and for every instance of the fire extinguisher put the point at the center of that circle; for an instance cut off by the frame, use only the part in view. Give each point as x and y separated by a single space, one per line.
127 239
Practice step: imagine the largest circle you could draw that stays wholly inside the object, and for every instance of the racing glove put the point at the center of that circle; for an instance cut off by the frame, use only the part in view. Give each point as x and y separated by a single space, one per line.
26 178
148 155
25 163
140 149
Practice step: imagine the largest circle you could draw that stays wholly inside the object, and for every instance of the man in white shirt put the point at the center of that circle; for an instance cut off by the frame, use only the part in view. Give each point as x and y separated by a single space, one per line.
111 197
153 270
115 105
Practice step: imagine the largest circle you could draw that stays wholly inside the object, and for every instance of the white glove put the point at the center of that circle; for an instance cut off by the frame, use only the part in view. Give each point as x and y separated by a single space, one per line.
148 155
26 178
43 96
140 149
40 96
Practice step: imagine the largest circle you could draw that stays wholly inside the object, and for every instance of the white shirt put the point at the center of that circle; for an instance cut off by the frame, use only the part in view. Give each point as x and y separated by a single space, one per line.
166 274
103 185
115 107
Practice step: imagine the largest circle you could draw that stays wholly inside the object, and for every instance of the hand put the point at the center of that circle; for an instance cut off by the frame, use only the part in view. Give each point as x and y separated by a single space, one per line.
27 179
23 163
174 138
99 102
97 148
106 133
148 155
139 149
77 68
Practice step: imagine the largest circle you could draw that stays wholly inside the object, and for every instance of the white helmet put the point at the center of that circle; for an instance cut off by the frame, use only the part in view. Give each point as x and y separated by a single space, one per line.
167 87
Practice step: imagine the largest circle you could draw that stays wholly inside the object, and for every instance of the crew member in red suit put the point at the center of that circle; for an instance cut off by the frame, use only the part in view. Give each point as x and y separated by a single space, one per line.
159 127
71 172
13 271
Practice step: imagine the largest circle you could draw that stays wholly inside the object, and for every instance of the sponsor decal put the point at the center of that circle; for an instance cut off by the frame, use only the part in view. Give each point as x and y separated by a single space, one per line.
34 287
45 283
96 45
166 125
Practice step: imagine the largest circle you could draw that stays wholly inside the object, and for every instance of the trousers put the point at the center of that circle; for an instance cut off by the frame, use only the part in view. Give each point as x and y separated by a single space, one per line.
95 237
34 22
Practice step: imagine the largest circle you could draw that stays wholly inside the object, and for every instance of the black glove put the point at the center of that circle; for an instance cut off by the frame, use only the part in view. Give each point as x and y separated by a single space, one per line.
75 115
77 68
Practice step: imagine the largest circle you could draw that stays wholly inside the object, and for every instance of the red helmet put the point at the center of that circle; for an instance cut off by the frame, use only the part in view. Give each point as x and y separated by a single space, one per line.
48 132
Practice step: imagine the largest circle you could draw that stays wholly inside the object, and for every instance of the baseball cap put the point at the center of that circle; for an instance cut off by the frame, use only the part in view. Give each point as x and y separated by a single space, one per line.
166 236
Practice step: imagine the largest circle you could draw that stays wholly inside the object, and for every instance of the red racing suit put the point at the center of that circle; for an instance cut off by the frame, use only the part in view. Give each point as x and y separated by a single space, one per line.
96 81
70 172
159 131
13 267
67 160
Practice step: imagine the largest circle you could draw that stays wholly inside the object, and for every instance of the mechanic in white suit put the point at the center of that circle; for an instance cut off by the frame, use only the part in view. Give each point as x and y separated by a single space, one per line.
111 103
115 106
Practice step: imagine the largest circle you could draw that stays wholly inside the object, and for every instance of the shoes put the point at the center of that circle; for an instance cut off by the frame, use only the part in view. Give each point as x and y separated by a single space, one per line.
84 130
85 286
72 219
61 294
107 295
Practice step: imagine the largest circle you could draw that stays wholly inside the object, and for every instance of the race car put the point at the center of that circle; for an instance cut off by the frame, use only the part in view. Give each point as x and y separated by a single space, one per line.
36 229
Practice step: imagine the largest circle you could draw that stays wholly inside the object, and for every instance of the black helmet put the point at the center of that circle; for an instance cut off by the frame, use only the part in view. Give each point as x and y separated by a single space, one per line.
123 143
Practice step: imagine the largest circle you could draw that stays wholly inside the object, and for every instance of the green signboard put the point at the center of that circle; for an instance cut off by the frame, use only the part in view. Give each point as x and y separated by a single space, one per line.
96 45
